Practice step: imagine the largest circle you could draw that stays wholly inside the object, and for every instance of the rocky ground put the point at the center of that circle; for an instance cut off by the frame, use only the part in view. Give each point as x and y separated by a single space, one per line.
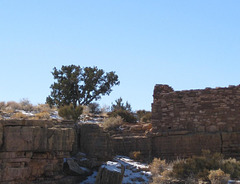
134 172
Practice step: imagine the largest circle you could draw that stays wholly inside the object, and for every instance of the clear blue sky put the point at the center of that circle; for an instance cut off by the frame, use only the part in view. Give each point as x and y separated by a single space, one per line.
188 44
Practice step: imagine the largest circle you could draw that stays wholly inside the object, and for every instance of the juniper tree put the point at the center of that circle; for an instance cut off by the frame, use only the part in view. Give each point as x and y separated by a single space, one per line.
80 86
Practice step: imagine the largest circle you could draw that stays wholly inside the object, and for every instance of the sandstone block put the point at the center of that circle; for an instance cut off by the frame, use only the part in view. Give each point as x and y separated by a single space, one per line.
111 172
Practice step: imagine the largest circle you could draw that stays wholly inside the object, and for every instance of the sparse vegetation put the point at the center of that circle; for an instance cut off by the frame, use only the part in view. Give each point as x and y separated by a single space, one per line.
112 123
123 110
208 166
2 105
26 105
160 172
19 115
94 108
12 106
42 115
69 112
144 116
136 155
25 110
126 115
218 177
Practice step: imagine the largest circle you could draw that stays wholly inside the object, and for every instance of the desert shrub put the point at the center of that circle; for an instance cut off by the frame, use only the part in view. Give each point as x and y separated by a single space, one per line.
198 166
25 105
232 167
11 105
43 108
112 123
69 112
19 115
42 115
147 117
124 114
160 171
136 155
144 116
2 105
94 108
218 177
158 166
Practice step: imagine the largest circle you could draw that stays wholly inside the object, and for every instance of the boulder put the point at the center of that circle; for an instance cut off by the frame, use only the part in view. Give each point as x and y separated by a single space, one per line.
109 173
84 161
72 168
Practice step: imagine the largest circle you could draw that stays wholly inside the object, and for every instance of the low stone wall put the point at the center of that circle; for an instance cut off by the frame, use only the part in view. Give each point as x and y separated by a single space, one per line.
33 150
100 144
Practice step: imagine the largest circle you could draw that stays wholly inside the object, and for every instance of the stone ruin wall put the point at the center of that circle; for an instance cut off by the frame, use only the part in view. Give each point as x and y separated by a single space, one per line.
185 122
33 151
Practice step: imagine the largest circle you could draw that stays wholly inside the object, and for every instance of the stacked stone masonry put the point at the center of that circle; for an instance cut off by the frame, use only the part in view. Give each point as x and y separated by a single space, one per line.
33 150
185 122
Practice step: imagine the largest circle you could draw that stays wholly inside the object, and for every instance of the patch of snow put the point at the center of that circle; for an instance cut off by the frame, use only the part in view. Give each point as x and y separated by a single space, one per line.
25 112
135 172
54 115
112 166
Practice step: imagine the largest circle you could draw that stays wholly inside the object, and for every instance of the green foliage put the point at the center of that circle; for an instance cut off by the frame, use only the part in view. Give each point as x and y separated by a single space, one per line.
119 105
140 114
80 86
112 123
123 110
94 108
144 116
69 112
147 117
124 114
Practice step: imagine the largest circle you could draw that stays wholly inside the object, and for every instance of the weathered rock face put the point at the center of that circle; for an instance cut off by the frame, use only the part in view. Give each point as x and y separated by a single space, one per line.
185 122
111 172
94 141
31 150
